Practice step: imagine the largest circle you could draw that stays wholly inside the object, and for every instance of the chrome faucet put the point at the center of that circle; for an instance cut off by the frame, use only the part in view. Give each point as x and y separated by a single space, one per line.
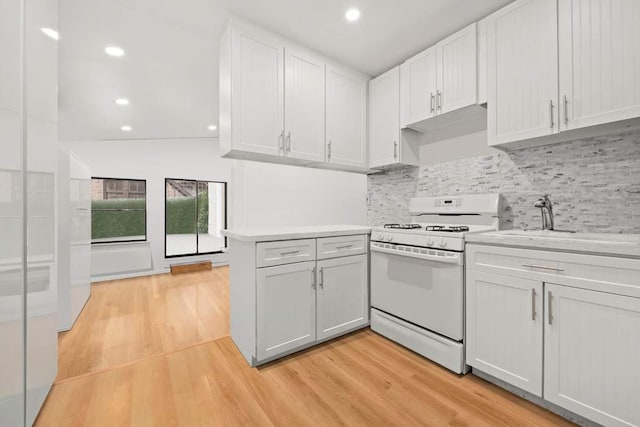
546 209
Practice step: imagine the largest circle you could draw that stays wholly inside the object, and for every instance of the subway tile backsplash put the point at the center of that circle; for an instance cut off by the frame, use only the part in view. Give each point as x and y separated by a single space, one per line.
594 184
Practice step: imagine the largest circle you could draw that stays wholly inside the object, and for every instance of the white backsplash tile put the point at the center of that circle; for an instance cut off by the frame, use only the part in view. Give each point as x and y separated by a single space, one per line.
594 184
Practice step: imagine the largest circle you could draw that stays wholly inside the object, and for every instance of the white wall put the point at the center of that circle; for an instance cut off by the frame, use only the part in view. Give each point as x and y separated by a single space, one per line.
259 194
266 195
152 160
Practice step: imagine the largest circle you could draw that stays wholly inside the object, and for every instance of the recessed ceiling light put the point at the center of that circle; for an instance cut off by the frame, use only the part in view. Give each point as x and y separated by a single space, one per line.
51 33
352 15
114 51
122 101
212 127
126 128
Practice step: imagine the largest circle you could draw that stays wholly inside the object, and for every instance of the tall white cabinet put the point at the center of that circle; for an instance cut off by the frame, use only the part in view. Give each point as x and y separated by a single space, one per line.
28 276
74 237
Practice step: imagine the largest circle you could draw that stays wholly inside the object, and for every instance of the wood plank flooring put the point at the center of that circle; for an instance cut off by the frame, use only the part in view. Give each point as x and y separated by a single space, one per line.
126 320
360 379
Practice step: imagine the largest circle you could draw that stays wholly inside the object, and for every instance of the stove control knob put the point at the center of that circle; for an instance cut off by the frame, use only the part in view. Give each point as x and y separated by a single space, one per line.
430 242
380 237
390 239
443 243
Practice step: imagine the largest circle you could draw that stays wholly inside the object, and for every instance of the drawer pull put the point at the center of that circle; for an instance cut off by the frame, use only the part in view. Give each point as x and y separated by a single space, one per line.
549 296
289 253
344 247
542 267
533 304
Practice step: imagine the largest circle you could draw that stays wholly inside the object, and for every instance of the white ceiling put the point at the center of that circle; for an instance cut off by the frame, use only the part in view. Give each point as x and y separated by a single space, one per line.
169 72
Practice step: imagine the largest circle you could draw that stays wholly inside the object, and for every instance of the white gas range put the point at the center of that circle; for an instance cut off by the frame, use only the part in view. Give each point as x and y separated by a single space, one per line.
417 274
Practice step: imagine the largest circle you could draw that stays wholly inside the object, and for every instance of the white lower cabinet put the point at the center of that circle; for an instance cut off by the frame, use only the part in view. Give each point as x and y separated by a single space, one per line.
592 343
286 305
571 338
343 295
504 328
284 298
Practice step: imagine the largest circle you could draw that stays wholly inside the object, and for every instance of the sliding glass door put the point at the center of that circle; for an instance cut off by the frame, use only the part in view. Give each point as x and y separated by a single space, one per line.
195 216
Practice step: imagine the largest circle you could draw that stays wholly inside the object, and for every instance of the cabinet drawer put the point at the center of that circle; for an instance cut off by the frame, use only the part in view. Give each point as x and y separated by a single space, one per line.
596 272
333 247
285 252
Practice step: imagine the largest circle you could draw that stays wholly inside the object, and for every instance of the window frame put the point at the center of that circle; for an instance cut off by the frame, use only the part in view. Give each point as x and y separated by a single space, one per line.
193 254
146 233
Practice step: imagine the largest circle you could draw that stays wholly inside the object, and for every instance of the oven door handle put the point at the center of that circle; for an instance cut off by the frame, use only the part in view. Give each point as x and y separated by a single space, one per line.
456 259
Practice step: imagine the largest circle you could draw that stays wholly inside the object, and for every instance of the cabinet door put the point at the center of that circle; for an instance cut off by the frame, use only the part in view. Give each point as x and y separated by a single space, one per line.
286 308
418 85
591 354
257 110
457 70
304 105
599 61
343 295
522 71
346 117
504 328
384 118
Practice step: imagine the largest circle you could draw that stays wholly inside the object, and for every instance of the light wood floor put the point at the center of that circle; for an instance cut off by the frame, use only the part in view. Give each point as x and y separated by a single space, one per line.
126 320
360 379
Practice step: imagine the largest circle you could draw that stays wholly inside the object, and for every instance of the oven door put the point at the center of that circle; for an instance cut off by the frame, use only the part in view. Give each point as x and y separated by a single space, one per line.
421 286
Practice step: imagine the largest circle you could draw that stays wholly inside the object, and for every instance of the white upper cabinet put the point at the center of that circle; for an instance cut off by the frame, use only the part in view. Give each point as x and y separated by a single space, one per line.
384 118
599 61
388 145
418 81
277 103
522 51
304 84
346 125
439 81
457 71
591 354
252 91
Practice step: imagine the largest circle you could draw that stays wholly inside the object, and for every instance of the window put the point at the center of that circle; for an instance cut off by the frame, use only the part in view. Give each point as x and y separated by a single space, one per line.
195 216
118 210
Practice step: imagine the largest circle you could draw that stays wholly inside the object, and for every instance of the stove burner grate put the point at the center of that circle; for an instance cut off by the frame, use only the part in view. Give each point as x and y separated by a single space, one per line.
447 229
403 226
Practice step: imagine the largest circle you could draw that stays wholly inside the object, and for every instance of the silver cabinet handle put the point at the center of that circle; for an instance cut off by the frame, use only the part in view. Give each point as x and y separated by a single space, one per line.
329 151
289 142
289 253
439 101
533 304
565 102
431 103
321 283
313 277
281 141
395 150
543 267
344 247
551 113
549 296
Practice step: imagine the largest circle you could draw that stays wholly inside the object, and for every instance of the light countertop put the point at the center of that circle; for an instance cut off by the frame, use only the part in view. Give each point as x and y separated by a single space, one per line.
290 233
627 245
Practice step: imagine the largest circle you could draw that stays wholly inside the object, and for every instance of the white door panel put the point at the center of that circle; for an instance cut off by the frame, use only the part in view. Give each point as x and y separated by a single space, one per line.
304 105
